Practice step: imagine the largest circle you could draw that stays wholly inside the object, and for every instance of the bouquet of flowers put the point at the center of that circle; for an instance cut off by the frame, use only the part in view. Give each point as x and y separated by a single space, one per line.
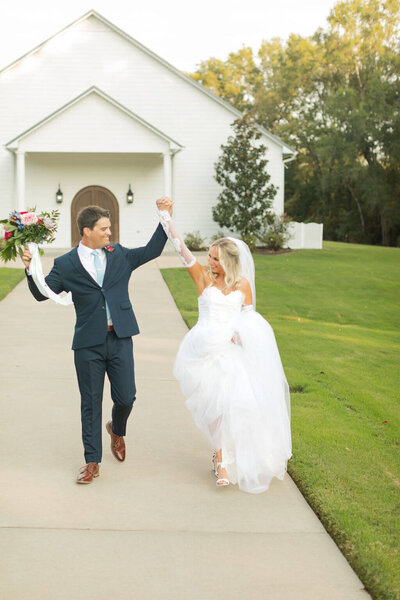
23 227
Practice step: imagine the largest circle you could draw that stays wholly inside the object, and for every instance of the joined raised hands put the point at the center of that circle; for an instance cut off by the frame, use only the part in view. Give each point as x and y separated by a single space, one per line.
165 203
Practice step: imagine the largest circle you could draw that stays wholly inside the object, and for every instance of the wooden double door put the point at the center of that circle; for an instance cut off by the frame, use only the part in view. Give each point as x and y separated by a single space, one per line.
99 196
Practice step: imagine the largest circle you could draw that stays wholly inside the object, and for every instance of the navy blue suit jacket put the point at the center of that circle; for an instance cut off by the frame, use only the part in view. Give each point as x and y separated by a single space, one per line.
69 275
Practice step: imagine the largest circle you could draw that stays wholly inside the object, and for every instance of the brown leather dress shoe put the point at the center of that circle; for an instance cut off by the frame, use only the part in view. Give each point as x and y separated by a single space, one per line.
88 473
117 443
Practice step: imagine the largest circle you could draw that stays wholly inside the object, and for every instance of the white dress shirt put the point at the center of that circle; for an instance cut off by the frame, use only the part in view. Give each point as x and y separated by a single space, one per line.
87 259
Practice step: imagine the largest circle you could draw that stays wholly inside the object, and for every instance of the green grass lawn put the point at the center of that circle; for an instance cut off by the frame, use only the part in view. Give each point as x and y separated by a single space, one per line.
336 318
9 279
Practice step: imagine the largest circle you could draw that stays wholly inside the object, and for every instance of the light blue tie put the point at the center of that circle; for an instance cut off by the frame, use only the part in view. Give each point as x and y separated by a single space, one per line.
100 275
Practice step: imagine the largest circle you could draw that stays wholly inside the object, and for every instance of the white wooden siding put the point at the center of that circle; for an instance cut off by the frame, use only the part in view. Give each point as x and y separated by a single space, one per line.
93 54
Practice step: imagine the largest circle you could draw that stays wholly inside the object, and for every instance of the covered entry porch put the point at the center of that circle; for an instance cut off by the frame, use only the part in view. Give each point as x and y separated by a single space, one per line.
94 143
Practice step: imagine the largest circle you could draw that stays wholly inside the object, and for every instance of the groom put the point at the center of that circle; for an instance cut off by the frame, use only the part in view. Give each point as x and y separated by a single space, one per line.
98 275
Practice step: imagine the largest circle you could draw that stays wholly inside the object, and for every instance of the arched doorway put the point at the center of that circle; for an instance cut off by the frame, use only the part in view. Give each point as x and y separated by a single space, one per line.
100 196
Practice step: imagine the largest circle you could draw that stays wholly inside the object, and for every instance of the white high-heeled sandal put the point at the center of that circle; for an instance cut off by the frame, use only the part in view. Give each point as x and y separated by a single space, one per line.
221 481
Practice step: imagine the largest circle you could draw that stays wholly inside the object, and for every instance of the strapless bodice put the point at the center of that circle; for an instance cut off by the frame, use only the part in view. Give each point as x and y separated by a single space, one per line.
218 307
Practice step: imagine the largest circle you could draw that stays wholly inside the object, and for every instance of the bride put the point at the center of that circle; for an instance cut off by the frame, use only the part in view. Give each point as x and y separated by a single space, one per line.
229 368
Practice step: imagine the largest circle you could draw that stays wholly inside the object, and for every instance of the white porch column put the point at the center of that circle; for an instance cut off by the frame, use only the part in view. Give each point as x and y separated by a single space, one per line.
20 180
167 174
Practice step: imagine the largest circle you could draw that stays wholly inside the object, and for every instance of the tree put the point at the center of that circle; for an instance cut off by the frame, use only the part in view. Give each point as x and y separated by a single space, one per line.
335 97
246 196
234 80
362 48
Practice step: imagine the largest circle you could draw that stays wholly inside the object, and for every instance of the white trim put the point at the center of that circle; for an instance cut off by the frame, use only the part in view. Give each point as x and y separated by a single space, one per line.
167 163
39 46
13 144
20 180
289 158
92 13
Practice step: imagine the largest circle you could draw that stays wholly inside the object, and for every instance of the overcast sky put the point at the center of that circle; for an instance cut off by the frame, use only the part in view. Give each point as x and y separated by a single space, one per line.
182 32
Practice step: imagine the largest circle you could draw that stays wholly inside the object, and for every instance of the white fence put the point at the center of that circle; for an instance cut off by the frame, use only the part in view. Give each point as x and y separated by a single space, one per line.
305 235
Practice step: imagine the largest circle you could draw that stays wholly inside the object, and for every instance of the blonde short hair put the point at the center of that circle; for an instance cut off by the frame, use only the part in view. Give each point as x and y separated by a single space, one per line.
228 254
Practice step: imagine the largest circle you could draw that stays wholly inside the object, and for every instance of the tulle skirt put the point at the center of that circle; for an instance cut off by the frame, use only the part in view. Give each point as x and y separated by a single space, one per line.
238 396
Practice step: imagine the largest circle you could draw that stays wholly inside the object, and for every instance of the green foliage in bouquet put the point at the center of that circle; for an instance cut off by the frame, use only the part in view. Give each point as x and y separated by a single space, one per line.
23 227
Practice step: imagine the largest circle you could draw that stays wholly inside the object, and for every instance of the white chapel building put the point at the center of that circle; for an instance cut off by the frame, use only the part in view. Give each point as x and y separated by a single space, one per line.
91 112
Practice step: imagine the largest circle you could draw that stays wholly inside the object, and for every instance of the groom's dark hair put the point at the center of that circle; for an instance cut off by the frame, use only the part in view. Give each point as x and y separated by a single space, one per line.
88 217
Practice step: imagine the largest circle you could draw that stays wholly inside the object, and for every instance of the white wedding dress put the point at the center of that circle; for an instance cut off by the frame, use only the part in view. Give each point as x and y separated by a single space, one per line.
231 373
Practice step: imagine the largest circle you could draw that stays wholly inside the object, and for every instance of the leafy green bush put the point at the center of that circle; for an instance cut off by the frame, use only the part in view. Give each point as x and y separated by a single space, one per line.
250 240
274 233
194 241
217 236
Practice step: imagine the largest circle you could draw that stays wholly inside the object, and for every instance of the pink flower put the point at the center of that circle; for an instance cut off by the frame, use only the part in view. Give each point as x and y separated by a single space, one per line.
110 249
29 218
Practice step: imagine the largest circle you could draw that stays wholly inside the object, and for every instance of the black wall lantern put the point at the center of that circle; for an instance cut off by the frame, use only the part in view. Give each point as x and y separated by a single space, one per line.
59 195
129 195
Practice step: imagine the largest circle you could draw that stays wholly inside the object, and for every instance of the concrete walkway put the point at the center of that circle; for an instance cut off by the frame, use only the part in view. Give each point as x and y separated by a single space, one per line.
155 527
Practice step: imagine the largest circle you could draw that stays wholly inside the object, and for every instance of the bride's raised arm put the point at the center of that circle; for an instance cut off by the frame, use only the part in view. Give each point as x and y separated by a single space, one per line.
198 273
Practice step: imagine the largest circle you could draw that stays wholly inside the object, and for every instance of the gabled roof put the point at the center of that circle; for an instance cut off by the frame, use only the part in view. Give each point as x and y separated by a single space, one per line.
286 149
175 146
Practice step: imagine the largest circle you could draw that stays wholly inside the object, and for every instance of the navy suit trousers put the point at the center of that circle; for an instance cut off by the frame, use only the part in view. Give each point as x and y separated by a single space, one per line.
114 357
